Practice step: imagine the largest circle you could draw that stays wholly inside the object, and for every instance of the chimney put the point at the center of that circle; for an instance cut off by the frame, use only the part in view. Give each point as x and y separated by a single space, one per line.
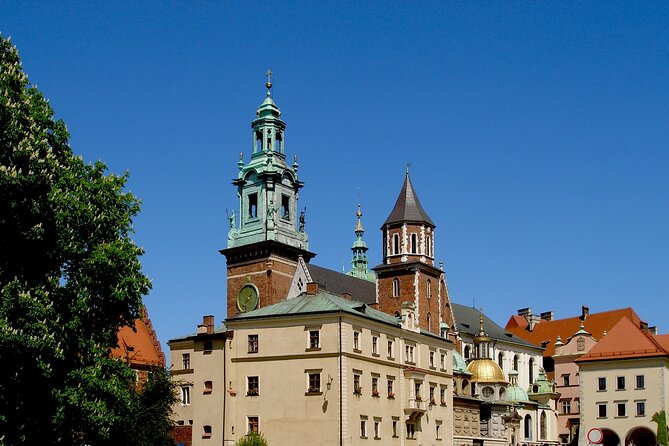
207 325
653 330
533 320
548 316
585 311
312 288
525 312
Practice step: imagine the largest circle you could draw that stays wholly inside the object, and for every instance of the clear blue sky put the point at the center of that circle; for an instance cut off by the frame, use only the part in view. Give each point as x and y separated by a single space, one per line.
537 134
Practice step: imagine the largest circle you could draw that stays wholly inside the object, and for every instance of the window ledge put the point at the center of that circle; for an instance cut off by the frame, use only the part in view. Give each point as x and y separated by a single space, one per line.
251 352
313 393
206 391
357 350
313 349
376 354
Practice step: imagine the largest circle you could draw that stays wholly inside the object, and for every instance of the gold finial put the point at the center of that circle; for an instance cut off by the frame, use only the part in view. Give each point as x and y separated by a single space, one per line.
481 320
269 82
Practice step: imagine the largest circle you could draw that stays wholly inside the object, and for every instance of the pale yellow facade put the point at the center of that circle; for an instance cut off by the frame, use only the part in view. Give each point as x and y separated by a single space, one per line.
377 383
632 390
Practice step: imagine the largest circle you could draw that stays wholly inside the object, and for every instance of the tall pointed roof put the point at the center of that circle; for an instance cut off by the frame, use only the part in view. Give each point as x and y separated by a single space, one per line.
407 207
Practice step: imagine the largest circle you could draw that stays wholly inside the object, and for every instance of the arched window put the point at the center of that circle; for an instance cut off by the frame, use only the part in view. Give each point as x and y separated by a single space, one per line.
429 322
429 288
542 426
527 425
414 244
500 360
428 246
396 287
531 370
515 363
467 352
396 243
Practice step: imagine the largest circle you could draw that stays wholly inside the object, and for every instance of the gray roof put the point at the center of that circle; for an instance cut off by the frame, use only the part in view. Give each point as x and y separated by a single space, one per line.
467 320
321 302
217 330
339 283
407 207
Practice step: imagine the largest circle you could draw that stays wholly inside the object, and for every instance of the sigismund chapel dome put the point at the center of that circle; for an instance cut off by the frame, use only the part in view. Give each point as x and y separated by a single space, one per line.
486 371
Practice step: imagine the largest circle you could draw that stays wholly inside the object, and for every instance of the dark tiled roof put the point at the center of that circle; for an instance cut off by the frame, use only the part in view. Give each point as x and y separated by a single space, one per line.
467 320
407 207
339 283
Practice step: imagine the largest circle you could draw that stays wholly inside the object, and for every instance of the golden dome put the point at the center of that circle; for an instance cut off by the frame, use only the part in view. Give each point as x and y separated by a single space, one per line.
485 371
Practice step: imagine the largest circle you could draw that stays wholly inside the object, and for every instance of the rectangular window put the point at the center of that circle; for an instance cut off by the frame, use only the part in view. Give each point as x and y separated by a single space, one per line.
356 340
432 398
314 382
285 207
409 353
375 346
620 383
620 409
438 430
252 388
363 428
431 359
356 384
601 384
417 392
208 387
391 393
640 382
396 244
443 361
414 244
566 406
253 425
314 339
640 408
185 395
578 405
253 205
186 360
253 343
601 410
208 346
395 421
442 395
390 350
411 430
375 386
377 428
565 380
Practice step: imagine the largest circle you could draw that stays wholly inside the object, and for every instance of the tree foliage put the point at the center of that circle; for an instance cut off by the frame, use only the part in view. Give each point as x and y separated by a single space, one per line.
252 439
661 419
70 276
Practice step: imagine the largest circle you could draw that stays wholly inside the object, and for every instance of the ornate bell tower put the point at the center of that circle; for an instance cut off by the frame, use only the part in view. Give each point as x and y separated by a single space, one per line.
262 251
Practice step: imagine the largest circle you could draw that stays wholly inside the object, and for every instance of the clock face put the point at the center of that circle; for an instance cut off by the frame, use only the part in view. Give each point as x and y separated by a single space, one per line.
247 299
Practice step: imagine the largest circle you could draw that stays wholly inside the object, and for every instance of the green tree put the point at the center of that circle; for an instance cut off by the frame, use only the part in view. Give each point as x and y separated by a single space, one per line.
661 419
70 276
252 439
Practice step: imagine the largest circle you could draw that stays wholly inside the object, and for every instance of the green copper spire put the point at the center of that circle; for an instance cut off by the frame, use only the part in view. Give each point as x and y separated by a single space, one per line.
267 186
359 262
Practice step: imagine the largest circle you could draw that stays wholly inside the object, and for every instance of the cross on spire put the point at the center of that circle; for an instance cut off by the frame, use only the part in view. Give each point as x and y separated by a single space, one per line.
269 82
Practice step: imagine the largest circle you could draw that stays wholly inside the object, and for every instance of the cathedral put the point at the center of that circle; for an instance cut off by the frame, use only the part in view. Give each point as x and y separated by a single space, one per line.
308 355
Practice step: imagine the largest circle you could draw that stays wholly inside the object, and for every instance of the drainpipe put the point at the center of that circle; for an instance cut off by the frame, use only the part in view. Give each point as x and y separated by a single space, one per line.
341 405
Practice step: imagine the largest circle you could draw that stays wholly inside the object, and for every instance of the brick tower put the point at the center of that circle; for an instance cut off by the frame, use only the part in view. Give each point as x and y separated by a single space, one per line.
407 273
262 252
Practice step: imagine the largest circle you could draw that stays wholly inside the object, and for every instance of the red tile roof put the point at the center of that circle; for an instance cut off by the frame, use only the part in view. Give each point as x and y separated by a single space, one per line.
626 340
595 324
140 347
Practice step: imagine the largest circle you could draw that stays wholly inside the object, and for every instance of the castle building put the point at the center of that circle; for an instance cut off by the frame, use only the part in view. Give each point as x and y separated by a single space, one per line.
309 355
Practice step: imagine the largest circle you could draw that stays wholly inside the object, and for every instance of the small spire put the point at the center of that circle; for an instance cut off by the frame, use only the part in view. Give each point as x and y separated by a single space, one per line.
481 332
408 165
269 82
